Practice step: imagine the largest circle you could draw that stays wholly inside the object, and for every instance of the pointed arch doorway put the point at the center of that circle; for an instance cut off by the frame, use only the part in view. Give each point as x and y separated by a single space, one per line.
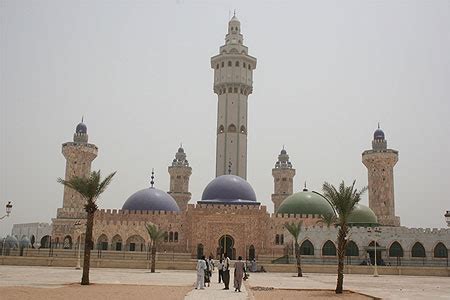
226 245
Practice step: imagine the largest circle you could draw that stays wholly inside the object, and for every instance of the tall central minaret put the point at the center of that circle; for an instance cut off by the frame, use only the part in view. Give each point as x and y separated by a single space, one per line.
233 81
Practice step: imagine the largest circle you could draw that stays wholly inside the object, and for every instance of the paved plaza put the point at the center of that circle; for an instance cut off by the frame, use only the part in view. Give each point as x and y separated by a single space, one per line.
386 287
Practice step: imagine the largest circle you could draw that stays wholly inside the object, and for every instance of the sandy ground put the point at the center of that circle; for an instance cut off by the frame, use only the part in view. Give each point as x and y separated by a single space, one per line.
96 291
305 294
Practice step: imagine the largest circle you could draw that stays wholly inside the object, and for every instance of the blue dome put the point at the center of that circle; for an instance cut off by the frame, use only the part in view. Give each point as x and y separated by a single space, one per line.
81 128
150 199
378 134
229 189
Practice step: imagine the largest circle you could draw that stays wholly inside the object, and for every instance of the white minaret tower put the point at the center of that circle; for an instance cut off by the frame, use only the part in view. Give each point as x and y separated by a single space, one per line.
233 81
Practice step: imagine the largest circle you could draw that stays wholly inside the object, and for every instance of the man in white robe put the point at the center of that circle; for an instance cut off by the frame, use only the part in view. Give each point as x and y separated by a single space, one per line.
201 267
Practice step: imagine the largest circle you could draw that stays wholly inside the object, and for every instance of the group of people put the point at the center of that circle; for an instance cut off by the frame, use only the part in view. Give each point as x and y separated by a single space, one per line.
205 268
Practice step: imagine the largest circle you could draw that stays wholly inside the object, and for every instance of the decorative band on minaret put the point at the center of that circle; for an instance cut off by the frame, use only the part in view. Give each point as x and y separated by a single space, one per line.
380 162
233 82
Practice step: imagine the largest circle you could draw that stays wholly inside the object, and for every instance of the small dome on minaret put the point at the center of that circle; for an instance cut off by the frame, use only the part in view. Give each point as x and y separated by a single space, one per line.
379 142
180 158
378 134
283 160
81 127
80 135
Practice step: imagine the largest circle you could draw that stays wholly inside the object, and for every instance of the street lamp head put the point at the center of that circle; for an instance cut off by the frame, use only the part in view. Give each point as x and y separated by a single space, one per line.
8 208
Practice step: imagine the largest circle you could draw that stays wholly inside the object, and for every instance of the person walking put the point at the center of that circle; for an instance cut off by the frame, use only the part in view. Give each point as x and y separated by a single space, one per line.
207 273
220 268
239 271
201 267
226 272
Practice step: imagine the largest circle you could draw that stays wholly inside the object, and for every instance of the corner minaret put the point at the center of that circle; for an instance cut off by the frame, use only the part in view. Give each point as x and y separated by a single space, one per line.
233 82
283 175
180 171
380 163
79 155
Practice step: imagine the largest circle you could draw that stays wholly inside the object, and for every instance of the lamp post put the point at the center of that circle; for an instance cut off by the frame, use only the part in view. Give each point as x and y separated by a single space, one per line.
77 226
8 210
376 231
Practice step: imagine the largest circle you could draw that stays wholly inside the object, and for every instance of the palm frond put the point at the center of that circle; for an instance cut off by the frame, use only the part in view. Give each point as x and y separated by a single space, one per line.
294 229
327 219
90 187
343 199
155 234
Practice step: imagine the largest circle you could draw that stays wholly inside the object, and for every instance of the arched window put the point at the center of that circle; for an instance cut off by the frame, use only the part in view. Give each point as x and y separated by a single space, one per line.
135 243
418 250
243 131
277 239
229 63
396 250
440 251
249 67
221 129
329 249
223 64
175 237
237 64
67 243
351 249
244 65
217 66
281 239
166 237
102 242
307 248
116 243
170 236
232 128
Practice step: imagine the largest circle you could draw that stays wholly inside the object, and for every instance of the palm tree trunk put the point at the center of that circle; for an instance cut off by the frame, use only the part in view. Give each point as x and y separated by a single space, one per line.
298 258
88 244
152 269
342 242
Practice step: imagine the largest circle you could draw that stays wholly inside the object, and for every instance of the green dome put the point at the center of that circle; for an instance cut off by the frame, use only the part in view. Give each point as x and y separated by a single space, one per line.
363 216
306 203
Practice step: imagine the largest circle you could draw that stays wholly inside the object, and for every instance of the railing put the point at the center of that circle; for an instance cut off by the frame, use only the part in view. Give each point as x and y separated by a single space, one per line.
96 253
356 260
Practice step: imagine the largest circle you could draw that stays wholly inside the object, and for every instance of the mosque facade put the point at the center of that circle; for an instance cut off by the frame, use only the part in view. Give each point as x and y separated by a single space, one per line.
229 218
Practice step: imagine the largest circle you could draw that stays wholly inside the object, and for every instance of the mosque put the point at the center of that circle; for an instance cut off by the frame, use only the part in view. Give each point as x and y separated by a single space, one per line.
229 218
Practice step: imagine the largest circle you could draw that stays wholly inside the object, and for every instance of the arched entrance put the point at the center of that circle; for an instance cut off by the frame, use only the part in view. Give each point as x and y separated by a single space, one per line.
377 255
199 251
251 253
226 245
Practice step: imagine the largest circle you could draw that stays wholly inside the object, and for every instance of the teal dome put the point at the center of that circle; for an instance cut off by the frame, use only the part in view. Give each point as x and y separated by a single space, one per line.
362 216
306 203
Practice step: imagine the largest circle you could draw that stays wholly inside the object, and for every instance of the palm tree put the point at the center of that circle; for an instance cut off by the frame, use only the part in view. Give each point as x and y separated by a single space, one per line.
328 219
343 201
294 230
90 188
156 236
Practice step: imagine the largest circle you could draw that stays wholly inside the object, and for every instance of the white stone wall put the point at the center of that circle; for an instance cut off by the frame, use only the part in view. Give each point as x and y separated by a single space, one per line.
30 230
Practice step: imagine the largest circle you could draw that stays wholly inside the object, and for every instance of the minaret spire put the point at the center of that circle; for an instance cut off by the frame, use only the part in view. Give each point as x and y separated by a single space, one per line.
152 182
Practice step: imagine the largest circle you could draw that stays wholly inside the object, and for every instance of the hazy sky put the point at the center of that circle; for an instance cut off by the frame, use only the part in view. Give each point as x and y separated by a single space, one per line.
139 71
